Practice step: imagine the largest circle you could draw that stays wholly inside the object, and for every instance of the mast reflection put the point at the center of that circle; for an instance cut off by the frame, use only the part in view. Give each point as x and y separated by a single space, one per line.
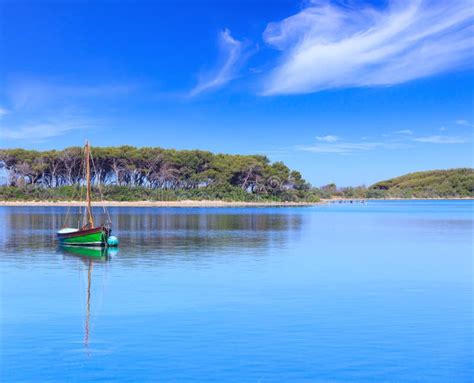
88 255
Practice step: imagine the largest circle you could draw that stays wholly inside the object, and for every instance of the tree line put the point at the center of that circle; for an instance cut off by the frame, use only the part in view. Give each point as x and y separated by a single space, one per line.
154 169
128 173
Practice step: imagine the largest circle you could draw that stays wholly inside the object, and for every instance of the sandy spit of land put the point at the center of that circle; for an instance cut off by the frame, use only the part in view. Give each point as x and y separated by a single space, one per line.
206 203
184 203
337 199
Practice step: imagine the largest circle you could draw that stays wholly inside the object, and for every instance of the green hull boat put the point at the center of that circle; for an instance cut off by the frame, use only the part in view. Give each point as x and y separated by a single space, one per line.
88 234
96 236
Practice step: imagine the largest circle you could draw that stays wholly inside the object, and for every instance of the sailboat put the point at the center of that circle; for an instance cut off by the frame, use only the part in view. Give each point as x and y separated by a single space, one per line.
89 234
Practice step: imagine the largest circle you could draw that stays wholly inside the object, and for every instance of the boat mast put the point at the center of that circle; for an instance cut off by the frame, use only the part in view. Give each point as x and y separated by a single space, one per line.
88 178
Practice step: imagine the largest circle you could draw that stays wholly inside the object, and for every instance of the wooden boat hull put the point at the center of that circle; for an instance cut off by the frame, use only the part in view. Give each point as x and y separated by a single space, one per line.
96 236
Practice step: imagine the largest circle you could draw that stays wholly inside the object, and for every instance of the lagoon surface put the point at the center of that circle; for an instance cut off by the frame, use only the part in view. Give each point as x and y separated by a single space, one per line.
376 292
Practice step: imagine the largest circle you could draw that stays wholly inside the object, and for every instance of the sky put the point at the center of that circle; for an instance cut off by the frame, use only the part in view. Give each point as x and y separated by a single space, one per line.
350 92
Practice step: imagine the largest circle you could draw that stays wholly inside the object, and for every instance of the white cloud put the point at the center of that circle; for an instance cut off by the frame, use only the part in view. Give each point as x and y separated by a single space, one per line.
231 57
343 147
40 110
337 145
43 130
405 131
329 46
35 132
27 94
463 123
327 138
441 140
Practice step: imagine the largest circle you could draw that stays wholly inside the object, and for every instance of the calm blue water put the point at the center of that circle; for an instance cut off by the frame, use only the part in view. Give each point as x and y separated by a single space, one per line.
381 292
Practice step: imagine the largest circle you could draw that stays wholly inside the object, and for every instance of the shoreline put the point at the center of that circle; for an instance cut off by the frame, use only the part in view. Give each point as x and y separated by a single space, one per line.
182 203
212 203
401 199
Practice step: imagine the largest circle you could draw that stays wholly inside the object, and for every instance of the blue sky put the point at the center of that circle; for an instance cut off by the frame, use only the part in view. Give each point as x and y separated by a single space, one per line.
345 91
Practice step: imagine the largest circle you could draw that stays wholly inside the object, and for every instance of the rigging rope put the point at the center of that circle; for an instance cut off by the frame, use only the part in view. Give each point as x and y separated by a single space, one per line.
69 205
83 163
67 214
109 221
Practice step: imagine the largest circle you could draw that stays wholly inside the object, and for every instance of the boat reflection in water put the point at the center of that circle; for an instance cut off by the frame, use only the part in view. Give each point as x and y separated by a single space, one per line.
98 253
89 255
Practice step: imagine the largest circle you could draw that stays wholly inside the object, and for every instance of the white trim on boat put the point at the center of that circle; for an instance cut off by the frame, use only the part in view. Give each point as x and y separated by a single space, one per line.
67 230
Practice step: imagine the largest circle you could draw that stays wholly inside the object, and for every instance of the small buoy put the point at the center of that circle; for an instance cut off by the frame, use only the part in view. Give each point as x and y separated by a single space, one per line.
112 241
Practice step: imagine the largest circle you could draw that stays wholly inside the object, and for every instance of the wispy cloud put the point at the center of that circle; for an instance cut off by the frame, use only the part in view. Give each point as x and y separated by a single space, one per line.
405 131
463 123
231 56
436 139
405 139
37 132
342 147
43 129
27 93
39 109
329 46
328 138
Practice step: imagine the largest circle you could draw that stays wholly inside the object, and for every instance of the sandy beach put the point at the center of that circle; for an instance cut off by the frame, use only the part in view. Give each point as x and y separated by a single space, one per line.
184 203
